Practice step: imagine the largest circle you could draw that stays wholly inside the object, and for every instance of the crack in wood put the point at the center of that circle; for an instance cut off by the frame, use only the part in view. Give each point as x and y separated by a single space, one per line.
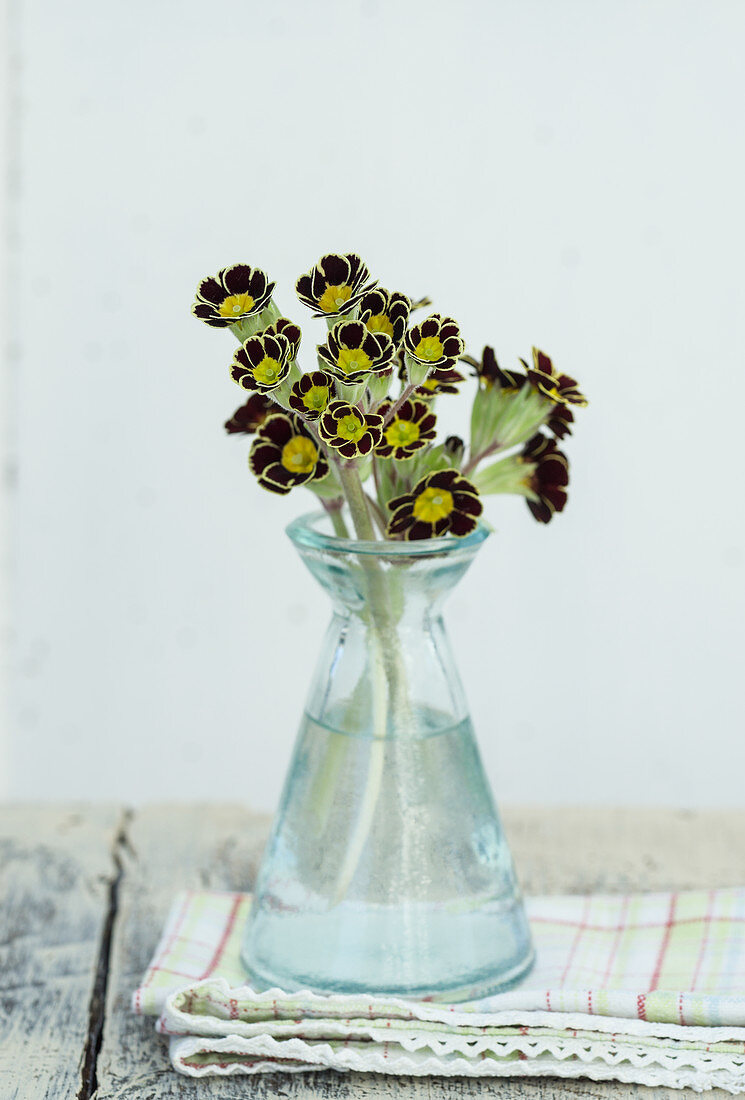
97 1011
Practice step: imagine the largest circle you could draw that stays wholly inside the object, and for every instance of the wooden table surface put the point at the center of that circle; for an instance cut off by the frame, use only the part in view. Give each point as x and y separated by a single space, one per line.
86 888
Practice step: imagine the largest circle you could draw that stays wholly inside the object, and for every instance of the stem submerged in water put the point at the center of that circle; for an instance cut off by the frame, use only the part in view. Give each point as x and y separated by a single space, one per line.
388 688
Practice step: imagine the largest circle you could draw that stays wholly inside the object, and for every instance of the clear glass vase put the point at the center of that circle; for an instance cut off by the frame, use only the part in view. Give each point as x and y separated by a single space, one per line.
387 869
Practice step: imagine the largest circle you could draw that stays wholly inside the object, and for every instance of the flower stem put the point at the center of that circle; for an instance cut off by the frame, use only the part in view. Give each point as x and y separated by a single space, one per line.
407 392
475 459
389 695
337 519
353 491
377 514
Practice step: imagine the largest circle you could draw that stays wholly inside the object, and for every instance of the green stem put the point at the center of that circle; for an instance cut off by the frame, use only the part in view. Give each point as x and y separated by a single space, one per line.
407 392
475 459
376 514
389 694
353 491
337 519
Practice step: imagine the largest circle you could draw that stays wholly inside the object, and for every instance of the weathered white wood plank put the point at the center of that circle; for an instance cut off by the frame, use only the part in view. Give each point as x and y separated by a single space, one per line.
556 851
56 869
168 848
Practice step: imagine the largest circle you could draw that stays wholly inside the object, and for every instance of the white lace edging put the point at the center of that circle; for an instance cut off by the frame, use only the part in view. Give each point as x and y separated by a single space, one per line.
559 1058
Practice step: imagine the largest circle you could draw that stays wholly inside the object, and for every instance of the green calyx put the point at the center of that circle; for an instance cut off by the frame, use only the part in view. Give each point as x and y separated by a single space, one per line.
378 386
416 372
281 394
249 326
328 487
505 418
351 393
508 475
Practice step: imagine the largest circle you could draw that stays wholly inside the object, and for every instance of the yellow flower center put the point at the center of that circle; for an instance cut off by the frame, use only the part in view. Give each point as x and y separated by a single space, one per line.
267 372
350 427
433 504
402 433
299 455
317 398
334 297
237 305
380 323
353 359
429 349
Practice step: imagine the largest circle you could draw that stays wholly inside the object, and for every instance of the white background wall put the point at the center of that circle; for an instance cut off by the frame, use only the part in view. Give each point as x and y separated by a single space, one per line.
568 174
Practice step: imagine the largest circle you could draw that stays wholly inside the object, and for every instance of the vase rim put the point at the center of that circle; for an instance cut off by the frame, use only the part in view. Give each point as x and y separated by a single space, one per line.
303 531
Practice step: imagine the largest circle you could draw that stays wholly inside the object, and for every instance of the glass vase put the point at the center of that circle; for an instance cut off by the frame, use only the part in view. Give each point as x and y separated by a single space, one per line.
387 869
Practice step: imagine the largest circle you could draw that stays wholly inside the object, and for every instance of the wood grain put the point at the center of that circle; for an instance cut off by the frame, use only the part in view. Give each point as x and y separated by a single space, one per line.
573 851
70 873
57 866
168 848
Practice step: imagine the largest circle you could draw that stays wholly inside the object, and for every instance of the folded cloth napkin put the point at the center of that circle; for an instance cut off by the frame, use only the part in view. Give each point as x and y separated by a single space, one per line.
644 988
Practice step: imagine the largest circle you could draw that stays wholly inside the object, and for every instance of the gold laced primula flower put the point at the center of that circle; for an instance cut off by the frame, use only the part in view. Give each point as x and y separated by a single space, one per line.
262 363
249 417
350 432
547 478
352 353
335 286
445 381
284 455
560 421
381 311
489 372
440 503
559 388
435 343
311 394
411 428
291 332
232 295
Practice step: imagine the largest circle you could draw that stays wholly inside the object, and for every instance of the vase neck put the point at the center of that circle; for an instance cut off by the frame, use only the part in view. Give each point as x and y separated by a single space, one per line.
393 580
386 669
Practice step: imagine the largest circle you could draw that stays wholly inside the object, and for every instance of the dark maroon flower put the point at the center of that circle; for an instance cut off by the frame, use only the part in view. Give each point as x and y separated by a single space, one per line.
384 312
234 294
335 286
284 327
439 503
251 416
435 343
559 388
489 372
284 455
412 427
560 421
262 362
352 353
548 476
350 432
311 394
441 381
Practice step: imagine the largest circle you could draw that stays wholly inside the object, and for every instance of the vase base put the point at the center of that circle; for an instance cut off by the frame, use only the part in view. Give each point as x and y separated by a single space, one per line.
481 986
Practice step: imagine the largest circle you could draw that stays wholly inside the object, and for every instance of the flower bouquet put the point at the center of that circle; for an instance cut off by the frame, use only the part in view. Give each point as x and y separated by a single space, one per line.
387 869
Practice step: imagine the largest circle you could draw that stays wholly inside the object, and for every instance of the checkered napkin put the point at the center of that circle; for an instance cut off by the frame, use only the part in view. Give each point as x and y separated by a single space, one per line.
645 988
